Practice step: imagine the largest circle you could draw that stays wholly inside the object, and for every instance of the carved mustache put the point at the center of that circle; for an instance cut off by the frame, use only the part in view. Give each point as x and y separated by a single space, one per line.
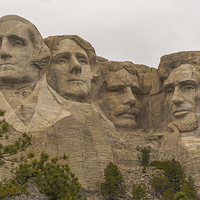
127 110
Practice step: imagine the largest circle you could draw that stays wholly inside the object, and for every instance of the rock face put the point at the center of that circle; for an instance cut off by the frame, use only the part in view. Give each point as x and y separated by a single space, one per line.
97 111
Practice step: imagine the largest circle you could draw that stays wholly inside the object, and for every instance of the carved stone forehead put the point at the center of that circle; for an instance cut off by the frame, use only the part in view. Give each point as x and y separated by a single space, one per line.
68 45
172 61
183 73
122 78
14 28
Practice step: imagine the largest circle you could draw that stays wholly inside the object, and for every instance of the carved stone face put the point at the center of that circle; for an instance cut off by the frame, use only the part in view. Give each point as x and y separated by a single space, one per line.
16 54
181 91
120 101
70 71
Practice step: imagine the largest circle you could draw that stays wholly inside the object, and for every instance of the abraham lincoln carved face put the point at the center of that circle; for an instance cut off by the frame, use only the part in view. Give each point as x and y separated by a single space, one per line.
180 90
181 87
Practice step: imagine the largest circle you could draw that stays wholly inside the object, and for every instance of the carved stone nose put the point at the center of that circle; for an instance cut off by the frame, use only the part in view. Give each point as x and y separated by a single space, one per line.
75 67
177 99
129 98
4 49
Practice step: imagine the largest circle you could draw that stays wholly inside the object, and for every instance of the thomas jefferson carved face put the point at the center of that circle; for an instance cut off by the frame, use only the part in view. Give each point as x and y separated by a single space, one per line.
181 92
16 54
119 101
70 67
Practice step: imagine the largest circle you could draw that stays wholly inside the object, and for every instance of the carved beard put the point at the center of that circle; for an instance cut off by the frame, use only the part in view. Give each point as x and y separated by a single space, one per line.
187 125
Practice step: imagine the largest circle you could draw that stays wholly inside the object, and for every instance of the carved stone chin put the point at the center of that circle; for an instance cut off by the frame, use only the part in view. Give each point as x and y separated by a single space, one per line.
187 125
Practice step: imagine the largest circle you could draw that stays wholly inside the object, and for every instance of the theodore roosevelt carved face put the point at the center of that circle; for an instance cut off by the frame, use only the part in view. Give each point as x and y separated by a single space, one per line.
119 97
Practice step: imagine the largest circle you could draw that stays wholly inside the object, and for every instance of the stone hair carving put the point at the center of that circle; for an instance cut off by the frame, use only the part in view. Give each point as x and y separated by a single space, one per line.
179 73
73 67
119 97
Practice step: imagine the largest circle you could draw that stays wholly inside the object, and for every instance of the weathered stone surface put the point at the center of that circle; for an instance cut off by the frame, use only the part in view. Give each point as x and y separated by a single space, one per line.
179 73
98 111
86 137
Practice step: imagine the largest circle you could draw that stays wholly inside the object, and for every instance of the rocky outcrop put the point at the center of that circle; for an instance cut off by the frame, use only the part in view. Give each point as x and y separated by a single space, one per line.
98 111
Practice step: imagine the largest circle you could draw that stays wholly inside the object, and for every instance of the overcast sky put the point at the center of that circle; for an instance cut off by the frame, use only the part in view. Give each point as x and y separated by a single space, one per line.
140 31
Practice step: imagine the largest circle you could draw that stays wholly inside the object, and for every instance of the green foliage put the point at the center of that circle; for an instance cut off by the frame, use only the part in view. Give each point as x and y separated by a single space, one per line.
52 178
138 148
181 196
175 174
160 164
144 169
139 192
8 152
159 183
189 189
169 194
145 156
113 185
172 181
56 180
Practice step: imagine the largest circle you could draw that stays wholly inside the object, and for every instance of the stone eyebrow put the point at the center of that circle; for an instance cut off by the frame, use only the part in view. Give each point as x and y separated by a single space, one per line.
116 86
192 82
167 85
60 55
16 37
186 81
82 55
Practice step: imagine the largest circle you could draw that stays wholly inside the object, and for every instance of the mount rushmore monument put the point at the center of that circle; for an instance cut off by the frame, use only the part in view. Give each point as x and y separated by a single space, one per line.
96 110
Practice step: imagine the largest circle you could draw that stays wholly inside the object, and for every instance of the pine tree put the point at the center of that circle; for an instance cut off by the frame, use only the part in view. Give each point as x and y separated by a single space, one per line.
189 189
8 153
169 194
160 183
53 179
139 192
181 196
175 174
113 186
145 156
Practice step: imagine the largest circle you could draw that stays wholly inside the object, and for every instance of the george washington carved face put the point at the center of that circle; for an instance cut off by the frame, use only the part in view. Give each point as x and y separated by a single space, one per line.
23 54
16 53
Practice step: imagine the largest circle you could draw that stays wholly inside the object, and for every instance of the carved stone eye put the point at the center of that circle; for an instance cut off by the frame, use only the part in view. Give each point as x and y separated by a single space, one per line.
82 61
61 61
169 91
188 87
18 43
118 90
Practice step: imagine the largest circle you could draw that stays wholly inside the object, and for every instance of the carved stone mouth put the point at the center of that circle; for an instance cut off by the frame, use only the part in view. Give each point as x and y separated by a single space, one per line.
78 80
127 116
178 113
6 64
